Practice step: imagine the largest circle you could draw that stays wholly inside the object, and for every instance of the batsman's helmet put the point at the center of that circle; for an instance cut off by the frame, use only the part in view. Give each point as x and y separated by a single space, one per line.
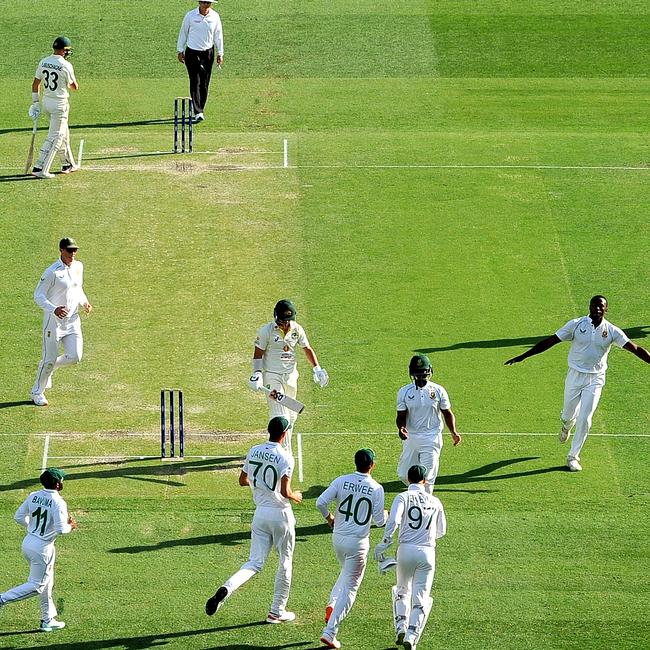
284 310
420 366
63 43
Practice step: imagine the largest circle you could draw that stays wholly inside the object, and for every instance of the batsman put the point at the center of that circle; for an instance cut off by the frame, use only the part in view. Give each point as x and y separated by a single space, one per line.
274 361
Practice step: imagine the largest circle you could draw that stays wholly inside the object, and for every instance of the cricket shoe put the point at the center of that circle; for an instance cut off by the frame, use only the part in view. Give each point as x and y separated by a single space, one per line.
199 117
69 168
328 613
565 431
574 465
39 399
285 617
215 602
330 641
409 644
39 173
399 640
51 626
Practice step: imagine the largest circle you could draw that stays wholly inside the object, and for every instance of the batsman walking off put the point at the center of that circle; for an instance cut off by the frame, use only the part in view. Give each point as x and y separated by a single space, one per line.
359 501
44 514
591 339
54 75
268 469
274 361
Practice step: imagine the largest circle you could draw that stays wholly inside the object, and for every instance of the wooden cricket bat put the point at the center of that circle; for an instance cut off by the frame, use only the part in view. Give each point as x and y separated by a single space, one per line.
285 400
30 155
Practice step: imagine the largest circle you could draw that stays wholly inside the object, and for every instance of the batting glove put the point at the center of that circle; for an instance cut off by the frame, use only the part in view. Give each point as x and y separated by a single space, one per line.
255 381
321 377
386 564
34 111
380 549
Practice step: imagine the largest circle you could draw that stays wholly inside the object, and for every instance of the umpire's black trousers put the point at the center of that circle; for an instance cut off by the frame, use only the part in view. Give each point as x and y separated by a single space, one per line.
199 69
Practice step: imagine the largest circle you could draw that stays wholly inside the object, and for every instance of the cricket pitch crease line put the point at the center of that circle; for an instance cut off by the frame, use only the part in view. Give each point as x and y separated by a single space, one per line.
249 434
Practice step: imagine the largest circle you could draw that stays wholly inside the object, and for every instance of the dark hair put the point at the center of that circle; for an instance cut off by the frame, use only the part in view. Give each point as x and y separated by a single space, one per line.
48 481
363 461
599 297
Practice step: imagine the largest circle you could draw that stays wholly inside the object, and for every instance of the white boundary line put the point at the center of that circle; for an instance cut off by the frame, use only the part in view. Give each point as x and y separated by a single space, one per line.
46 448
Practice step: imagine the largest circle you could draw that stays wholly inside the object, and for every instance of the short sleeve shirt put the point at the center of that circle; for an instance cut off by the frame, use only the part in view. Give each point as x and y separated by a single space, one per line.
46 515
56 74
359 501
265 466
424 406
280 348
590 345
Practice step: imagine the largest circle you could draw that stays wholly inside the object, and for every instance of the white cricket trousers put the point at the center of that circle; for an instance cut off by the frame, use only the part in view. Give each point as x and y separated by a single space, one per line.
58 135
41 558
420 450
72 340
352 554
415 571
272 528
288 385
581 396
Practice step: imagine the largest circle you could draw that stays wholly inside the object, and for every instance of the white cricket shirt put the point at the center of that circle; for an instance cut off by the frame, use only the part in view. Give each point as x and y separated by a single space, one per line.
265 466
419 515
61 285
590 345
280 348
201 32
56 74
359 501
423 406
44 514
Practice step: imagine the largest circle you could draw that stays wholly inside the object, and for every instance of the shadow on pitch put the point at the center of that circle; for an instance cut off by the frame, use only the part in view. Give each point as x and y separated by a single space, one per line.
22 402
151 473
480 474
98 125
11 178
228 539
155 641
640 332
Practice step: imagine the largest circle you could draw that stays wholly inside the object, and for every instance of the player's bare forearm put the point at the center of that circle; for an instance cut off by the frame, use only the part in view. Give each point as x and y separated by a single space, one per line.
287 492
400 421
311 356
450 421
243 479
637 351
538 348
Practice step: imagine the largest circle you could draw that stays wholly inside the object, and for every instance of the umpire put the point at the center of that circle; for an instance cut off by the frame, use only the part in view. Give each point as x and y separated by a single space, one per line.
201 34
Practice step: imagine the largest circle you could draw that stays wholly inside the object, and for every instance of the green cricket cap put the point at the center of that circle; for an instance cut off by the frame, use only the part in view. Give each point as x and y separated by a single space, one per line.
365 456
67 242
417 473
277 425
56 473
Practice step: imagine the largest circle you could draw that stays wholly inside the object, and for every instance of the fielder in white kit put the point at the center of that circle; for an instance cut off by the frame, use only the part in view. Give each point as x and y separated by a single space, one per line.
421 521
45 516
54 75
591 340
60 294
274 361
359 502
423 408
267 469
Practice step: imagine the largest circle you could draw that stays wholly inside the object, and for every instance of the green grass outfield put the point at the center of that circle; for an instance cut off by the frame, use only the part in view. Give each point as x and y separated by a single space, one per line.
463 176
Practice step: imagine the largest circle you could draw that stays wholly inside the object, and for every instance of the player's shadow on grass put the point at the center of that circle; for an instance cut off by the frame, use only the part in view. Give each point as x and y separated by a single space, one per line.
483 473
151 473
10 178
227 539
22 402
97 125
156 641
639 332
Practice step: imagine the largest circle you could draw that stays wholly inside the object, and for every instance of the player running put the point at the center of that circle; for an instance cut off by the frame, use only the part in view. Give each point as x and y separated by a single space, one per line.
359 500
421 521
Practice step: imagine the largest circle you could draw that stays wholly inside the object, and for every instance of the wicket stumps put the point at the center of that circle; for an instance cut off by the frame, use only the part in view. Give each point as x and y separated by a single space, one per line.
186 121
169 422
